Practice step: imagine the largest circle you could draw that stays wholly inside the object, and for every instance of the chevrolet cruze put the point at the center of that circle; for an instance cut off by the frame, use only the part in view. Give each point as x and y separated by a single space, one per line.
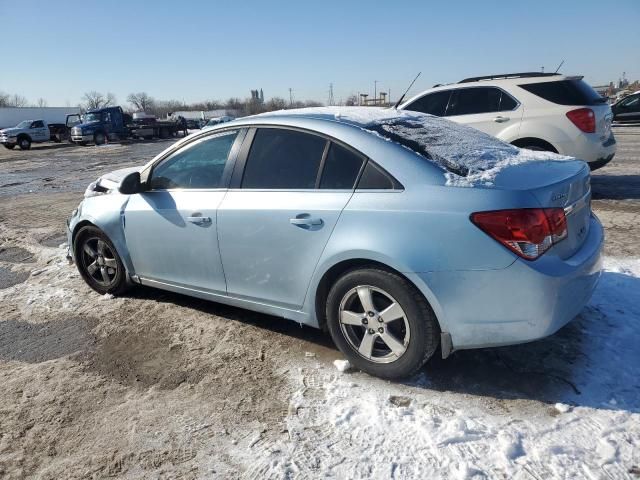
398 232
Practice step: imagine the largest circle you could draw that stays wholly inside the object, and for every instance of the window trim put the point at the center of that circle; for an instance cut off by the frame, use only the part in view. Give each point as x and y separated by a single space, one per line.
147 173
243 155
504 92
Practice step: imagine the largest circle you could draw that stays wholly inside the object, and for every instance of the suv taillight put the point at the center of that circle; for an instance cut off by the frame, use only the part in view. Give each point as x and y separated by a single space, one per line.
584 119
529 232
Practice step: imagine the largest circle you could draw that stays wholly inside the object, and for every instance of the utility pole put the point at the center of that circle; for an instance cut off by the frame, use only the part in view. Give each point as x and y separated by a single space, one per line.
290 97
330 103
375 88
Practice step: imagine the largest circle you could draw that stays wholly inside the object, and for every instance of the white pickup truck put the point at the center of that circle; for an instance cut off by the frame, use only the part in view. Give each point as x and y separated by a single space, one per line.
32 131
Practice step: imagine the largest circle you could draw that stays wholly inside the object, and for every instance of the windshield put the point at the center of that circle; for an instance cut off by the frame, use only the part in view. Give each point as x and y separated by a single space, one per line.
91 117
24 124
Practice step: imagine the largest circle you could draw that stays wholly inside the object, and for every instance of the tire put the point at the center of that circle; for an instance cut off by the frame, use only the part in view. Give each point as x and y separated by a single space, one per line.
57 138
9 146
536 148
99 138
24 143
98 262
414 332
164 132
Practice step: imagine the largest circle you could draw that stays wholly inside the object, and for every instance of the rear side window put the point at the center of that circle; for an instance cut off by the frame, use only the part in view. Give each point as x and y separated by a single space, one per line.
565 92
37 124
468 101
433 103
341 168
374 178
283 159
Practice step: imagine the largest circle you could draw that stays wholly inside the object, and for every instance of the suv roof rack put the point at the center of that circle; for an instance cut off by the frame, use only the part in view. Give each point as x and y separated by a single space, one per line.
508 75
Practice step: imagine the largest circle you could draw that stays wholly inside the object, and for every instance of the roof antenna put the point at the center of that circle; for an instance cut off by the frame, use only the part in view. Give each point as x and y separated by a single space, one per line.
561 63
405 92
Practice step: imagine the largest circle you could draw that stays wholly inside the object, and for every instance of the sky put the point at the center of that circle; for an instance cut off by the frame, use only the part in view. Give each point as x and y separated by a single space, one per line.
198 50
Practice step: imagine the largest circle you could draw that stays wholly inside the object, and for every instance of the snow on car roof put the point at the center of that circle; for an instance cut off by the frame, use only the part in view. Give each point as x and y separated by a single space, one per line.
469 156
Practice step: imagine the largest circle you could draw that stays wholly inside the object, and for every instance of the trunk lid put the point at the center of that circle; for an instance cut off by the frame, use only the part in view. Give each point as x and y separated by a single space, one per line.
561 184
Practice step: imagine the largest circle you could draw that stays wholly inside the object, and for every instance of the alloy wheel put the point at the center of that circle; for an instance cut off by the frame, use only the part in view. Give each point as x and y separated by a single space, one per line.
99 261
374 324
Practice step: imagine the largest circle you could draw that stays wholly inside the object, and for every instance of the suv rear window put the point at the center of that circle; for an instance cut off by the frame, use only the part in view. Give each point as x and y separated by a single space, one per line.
565 92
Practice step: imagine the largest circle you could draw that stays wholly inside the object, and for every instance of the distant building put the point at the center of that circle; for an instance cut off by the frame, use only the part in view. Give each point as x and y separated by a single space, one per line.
257 96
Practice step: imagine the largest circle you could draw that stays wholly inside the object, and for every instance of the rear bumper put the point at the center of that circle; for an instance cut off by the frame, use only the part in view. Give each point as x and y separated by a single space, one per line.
601 162
523 302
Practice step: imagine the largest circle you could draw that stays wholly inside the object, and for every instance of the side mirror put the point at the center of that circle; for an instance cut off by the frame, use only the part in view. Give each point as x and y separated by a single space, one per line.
130 184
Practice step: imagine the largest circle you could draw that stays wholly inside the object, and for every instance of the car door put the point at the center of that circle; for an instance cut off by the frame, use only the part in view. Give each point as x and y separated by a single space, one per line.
39 131
628 109
279 213
171 228
488 109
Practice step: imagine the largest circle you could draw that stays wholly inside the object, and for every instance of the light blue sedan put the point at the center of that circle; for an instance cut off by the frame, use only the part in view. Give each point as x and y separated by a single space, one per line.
398 232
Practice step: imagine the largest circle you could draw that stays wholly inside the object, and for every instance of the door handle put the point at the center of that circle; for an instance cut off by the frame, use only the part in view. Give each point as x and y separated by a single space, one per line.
198 220
306 221
501 119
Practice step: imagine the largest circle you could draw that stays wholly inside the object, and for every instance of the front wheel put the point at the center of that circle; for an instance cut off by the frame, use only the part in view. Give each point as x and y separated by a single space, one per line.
98 262
381 323
10 146
99 138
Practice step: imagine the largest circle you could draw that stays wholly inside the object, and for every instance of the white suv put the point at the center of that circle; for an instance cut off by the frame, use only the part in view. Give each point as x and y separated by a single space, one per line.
538 111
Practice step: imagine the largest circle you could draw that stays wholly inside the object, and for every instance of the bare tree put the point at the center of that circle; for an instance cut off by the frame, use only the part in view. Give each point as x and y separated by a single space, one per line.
14 100
351 100
41 102
93 100
141 101
276 103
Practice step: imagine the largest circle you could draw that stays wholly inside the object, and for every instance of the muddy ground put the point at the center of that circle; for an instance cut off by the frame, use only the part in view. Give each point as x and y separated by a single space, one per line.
160 385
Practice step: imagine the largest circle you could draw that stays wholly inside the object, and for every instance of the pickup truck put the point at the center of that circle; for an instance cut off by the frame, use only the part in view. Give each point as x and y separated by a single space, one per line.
32 131
111 123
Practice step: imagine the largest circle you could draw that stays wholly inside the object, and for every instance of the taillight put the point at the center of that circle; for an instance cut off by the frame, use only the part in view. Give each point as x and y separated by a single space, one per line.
529 232
584 119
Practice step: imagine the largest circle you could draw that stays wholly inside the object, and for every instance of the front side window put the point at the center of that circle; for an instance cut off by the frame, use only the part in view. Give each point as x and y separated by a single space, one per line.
200 164
433 103
37 124
283 159
469 101
341 168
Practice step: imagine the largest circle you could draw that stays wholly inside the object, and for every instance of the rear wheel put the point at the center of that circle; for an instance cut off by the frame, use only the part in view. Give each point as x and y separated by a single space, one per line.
98 138
98 262
24 143
381 323
164 132
9 146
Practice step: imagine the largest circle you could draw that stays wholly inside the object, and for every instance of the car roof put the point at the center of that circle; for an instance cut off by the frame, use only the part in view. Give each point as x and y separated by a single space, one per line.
501 80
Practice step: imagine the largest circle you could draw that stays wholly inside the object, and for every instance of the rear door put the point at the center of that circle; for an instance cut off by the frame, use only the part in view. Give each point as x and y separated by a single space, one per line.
171 228
275 224
489 109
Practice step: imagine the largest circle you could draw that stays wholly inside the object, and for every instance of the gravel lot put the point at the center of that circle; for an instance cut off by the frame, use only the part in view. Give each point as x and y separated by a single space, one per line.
160 385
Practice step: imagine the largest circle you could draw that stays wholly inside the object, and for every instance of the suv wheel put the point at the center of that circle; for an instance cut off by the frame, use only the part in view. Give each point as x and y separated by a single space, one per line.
381 323
98 262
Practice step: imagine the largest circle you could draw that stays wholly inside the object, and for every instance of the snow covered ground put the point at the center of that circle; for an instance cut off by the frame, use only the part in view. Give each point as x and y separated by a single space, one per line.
578 418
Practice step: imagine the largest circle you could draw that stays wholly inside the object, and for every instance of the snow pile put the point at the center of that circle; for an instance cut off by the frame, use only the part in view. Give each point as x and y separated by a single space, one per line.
342 365
588 426
468 156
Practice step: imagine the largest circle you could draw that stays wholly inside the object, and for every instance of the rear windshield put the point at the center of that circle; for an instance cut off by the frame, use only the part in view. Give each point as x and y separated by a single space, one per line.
457 148
565 92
